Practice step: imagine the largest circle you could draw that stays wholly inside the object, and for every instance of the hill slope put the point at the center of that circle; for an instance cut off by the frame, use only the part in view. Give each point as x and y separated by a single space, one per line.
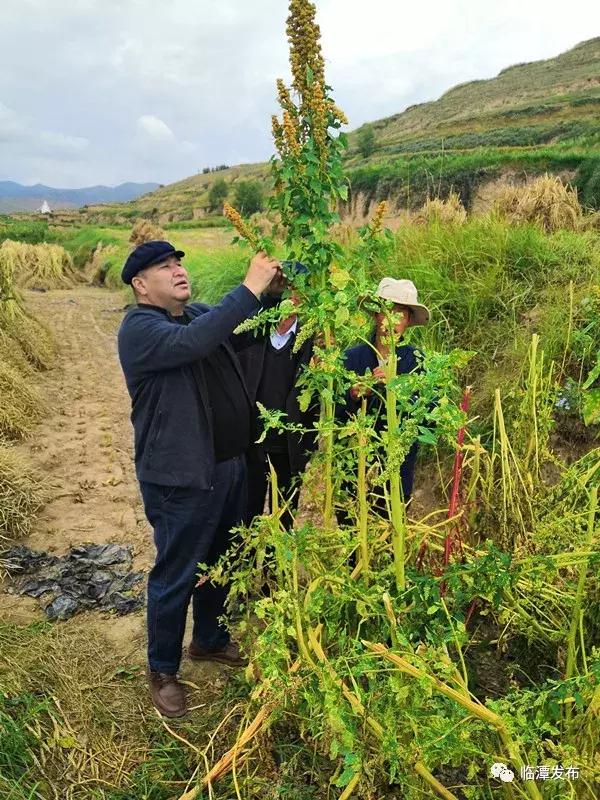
533 117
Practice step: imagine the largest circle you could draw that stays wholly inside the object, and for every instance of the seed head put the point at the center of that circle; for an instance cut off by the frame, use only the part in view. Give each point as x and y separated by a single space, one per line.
278 137
305 48
378 217
290 132
238 223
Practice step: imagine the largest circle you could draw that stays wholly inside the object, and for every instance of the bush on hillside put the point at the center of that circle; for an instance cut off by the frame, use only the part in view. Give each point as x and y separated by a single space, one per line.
545 201
249 197
365 141
587 181
217 195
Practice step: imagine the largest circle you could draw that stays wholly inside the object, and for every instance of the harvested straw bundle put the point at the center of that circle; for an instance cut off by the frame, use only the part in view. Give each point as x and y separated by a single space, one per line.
21 405
37 266
34 339
145 231
21 495
445 212
12 353
545 201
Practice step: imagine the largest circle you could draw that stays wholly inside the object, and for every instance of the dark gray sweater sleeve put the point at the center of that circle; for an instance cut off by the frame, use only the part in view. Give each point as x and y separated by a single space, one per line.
150 343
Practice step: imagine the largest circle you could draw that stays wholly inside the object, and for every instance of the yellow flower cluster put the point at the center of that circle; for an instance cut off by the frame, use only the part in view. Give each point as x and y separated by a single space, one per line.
285 100
290 132
378 217
277 131
238 223
305 48
319 114
337 112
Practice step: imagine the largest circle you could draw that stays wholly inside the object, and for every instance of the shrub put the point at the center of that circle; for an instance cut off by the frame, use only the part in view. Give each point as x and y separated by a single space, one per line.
587 180
249 197
365 141
217 194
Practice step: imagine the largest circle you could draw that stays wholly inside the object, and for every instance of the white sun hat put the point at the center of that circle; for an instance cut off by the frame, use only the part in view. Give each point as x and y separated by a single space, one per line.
403 292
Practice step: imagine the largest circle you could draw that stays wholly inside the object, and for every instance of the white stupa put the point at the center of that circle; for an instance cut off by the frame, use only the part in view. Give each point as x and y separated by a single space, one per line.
45 208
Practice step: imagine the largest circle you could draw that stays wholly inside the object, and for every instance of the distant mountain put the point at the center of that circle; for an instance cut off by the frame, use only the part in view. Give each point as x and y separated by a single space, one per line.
16 197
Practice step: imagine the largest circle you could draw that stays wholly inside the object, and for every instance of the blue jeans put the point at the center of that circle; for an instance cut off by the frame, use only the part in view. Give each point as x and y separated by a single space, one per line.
191 526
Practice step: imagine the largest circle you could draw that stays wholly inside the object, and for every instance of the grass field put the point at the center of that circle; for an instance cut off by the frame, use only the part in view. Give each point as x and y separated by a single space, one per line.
74 717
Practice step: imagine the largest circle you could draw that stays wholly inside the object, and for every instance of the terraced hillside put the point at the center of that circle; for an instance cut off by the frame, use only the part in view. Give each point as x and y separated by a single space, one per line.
535 117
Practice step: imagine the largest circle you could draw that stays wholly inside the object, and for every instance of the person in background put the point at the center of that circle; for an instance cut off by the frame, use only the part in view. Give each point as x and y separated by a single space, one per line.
271 370
192 419
373 357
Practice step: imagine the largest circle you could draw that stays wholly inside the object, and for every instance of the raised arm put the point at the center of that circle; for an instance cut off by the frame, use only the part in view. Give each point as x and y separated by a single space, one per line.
148 342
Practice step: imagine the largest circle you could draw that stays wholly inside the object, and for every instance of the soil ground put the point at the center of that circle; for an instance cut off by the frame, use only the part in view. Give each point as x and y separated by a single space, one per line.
84 450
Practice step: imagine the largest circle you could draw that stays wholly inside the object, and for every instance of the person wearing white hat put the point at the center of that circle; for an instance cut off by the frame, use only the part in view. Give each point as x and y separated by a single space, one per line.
405 311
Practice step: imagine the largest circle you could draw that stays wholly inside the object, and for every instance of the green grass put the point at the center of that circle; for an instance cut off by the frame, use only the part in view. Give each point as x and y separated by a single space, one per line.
410 179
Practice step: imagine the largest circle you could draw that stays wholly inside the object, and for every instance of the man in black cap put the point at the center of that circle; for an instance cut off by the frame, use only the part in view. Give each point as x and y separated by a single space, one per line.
272 368
192 421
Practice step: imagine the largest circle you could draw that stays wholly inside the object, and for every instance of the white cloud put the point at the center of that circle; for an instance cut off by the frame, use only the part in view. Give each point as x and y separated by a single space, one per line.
114 90
155 129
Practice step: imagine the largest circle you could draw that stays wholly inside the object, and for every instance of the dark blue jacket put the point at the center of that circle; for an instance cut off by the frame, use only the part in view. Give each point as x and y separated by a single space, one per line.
363 357
162 363
252 360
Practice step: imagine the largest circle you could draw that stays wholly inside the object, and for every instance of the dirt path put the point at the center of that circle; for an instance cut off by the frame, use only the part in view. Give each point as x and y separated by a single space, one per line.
84 448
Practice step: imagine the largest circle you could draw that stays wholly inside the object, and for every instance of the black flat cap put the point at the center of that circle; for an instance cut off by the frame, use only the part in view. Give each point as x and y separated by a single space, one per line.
145 255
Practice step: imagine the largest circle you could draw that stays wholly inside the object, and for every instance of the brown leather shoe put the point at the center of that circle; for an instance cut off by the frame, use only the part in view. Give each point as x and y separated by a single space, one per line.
168 695
230 654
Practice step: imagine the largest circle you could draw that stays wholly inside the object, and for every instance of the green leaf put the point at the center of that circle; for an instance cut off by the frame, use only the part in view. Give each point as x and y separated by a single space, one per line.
342 315
591 407
340 278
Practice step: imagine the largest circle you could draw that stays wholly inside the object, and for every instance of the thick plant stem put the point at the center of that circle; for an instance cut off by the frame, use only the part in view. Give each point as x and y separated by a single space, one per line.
351 786
462 698
225 764
328 418
396 499
575 619
362 495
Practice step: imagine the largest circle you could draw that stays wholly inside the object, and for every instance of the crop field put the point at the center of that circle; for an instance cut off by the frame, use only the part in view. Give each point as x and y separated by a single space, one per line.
448 646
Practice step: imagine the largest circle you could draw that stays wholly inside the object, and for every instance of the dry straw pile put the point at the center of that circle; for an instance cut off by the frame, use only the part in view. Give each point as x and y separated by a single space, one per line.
545 201
37 266
25 346
145 231
445 212
21 495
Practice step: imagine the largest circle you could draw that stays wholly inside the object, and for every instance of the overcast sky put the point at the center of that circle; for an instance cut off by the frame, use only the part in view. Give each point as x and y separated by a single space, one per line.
106 91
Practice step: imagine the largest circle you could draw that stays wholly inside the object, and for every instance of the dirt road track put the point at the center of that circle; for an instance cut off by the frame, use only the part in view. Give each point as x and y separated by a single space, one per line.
84 447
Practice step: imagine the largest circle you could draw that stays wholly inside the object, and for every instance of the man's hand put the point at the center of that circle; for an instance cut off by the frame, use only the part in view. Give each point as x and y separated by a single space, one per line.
360 390
278 284
260 273
379 374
